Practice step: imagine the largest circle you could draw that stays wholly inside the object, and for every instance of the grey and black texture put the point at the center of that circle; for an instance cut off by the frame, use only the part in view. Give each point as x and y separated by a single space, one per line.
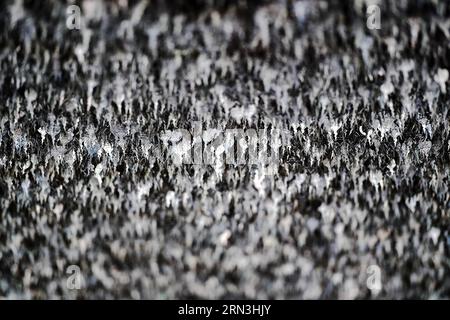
364 180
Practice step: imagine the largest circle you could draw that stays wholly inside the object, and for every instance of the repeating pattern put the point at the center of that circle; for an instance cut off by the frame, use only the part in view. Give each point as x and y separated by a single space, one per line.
86 178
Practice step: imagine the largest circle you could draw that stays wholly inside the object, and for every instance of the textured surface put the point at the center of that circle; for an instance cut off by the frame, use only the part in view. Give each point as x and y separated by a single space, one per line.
364 181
